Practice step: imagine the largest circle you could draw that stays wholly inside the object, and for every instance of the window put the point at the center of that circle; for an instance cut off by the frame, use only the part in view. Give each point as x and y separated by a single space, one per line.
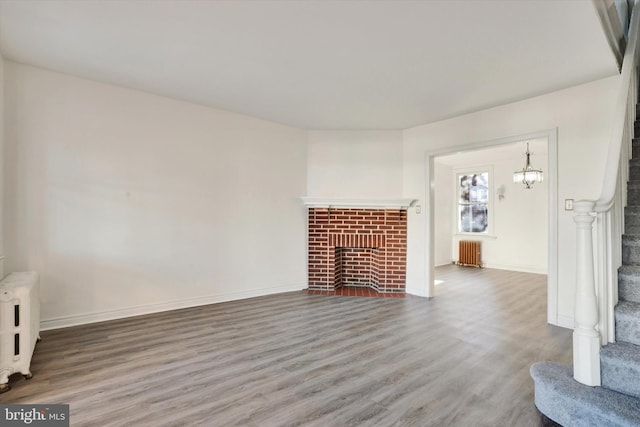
473 202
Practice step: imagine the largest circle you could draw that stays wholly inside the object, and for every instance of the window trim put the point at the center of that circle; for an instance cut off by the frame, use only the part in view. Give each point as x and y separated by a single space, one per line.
489 232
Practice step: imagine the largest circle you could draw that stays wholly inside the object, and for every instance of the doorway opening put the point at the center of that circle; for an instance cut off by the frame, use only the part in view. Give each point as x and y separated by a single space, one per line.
516 227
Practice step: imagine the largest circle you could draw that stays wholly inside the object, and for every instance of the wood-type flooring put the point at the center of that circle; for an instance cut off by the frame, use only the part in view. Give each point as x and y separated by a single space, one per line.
295 359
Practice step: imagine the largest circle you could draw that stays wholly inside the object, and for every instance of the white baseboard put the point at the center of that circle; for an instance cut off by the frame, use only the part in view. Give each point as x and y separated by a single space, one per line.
83 319
418 292
521 268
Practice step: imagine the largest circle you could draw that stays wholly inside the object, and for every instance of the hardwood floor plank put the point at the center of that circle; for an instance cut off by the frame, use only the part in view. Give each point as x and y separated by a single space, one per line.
461 359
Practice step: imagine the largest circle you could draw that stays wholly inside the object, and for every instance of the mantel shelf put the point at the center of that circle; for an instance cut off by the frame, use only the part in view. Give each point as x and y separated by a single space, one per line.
327 202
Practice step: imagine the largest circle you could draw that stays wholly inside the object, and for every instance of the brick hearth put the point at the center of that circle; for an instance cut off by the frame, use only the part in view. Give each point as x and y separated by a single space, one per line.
357 247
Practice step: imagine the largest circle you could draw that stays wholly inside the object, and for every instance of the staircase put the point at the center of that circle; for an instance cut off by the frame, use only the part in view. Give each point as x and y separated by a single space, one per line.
617 402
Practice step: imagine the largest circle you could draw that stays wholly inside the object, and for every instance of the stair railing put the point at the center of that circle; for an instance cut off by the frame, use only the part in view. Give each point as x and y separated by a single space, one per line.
597 285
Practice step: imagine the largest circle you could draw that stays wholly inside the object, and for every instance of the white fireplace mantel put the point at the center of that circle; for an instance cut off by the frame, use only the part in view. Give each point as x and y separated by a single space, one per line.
328 202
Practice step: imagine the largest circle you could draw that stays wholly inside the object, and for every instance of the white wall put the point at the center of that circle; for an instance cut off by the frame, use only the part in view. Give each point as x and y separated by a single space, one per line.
444 198
518 241
581 114
127 202
521 221
353 164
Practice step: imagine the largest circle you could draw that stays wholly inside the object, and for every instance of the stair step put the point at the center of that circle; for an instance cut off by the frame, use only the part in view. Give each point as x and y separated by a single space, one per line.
630 249
634 170
632 220
632 230
632 215
569 403
620 368
629 283
627 314
633 193
635 147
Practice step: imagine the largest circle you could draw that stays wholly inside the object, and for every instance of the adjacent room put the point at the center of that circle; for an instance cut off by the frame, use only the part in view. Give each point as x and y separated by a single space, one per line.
510 219
223 213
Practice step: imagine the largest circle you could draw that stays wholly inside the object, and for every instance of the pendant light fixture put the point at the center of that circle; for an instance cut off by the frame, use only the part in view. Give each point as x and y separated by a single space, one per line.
528 175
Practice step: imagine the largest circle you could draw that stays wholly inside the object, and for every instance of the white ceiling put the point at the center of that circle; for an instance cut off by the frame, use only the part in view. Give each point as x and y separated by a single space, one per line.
385 64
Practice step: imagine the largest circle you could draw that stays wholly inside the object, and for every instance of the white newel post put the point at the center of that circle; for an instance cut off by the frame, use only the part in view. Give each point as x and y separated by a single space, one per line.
586 339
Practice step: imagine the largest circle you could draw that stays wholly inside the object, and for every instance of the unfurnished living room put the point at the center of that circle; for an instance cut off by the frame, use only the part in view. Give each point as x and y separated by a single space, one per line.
319 213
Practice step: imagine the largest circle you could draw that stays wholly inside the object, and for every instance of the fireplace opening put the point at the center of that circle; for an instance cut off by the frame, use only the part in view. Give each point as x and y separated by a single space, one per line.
358 267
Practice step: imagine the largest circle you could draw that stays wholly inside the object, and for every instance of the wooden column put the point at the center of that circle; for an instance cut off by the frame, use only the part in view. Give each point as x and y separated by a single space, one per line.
586 339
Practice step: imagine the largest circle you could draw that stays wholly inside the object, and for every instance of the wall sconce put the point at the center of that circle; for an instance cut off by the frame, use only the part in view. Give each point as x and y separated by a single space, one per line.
501 191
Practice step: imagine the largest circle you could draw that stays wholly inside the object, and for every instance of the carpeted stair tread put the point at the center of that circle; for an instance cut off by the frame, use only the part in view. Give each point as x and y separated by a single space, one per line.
635 147
634 169
631 249
571 404
631 229
620 368
632 215
634 161
632 220
627 315
633 193
629 283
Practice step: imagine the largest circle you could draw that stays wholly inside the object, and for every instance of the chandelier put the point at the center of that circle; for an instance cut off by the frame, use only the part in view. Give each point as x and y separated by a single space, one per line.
528 175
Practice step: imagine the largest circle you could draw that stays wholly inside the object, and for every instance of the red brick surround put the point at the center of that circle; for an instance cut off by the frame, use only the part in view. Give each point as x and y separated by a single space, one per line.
357 247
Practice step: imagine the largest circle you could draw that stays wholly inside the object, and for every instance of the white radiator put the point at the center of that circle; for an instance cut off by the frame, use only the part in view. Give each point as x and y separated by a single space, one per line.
19 324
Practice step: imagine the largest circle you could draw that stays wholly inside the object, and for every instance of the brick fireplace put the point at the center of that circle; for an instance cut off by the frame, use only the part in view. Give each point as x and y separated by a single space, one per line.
357 246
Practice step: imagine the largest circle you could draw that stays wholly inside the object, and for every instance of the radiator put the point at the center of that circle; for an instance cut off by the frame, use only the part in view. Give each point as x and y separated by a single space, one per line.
469 253
19 324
